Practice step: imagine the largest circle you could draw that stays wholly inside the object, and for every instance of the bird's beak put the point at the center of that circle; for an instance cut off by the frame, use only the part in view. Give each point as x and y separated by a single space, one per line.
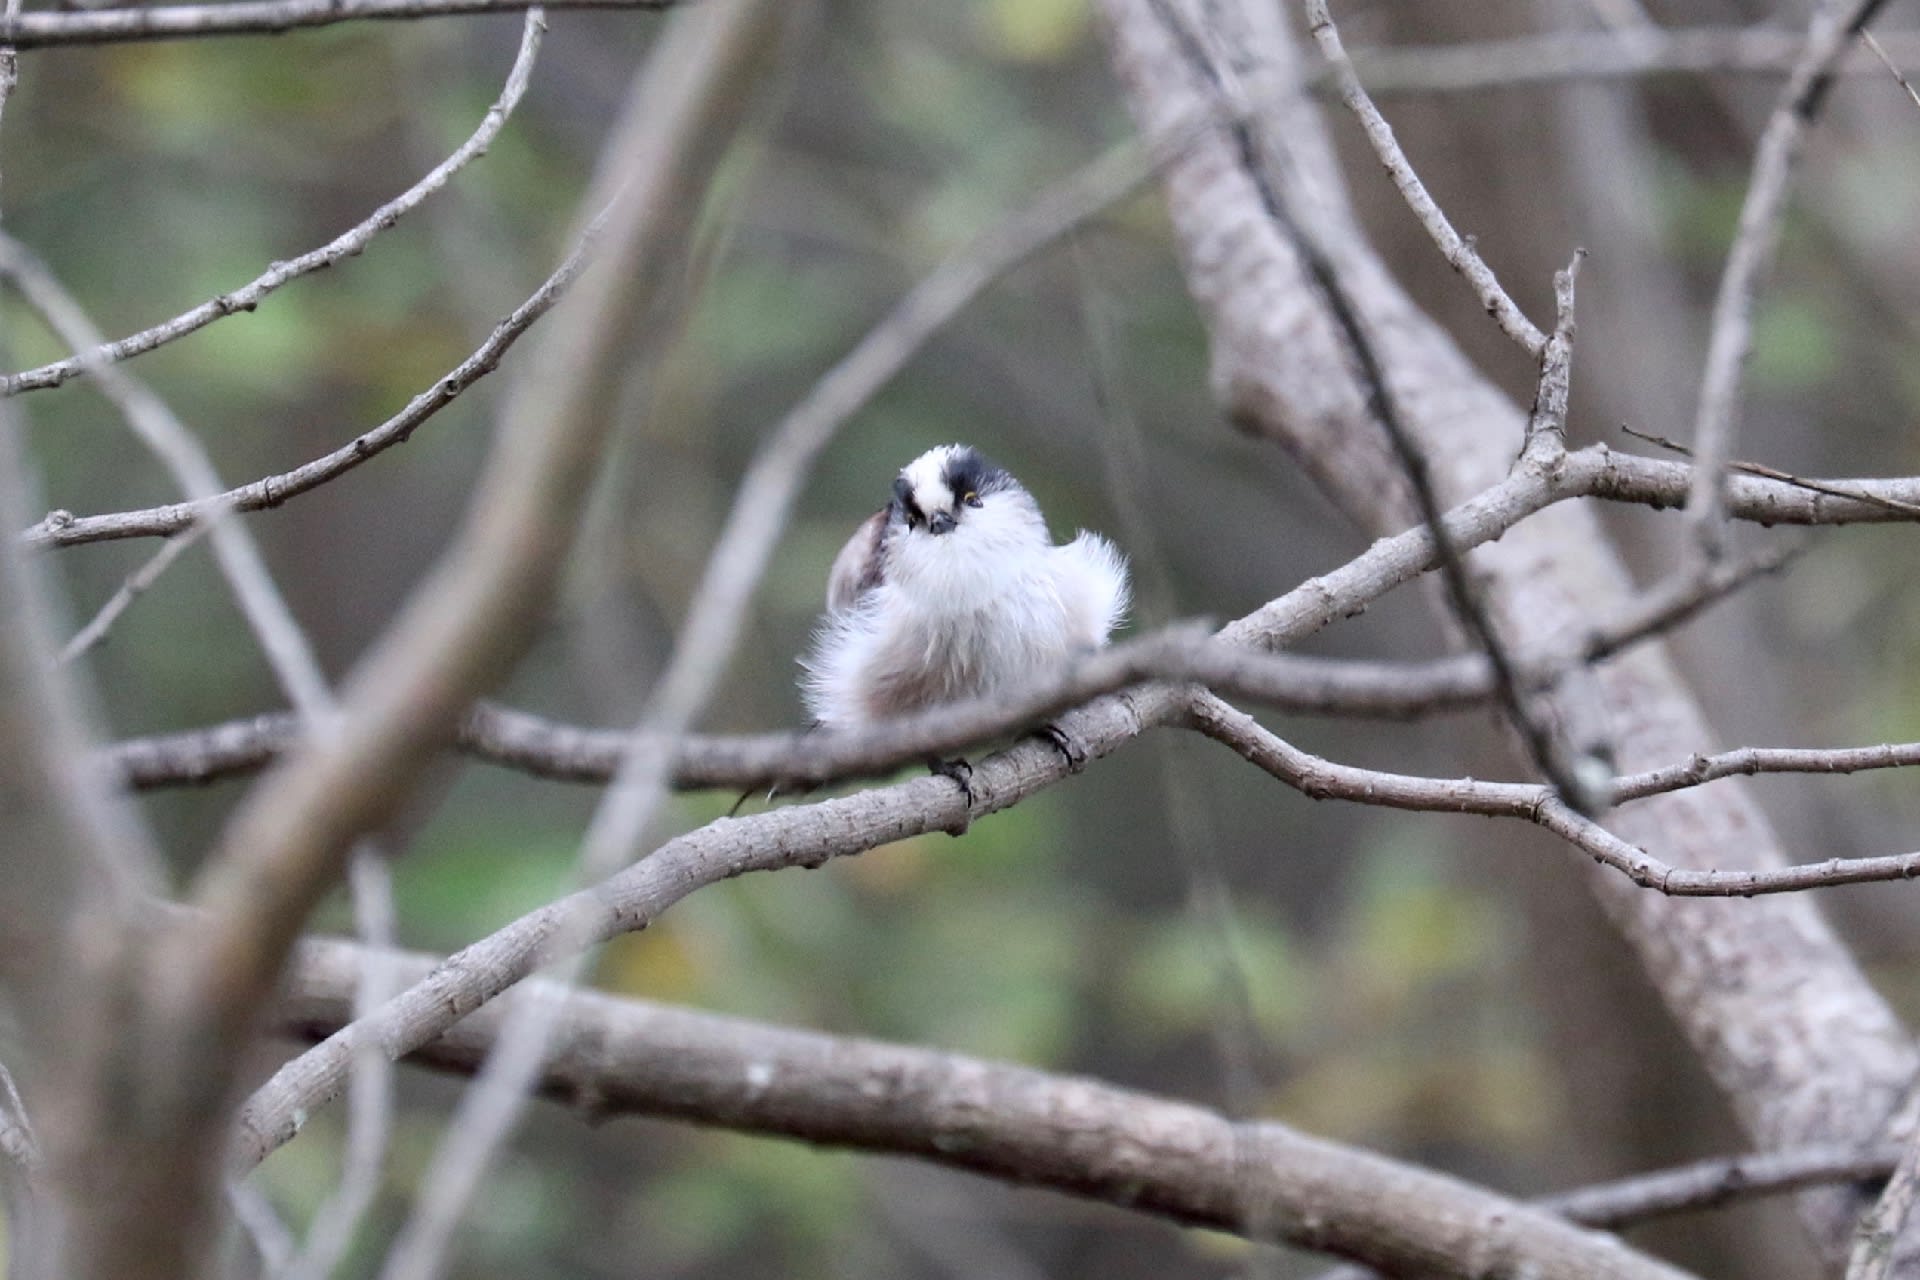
938 523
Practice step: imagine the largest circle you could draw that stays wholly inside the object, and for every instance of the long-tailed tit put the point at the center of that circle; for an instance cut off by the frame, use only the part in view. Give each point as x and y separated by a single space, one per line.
953 590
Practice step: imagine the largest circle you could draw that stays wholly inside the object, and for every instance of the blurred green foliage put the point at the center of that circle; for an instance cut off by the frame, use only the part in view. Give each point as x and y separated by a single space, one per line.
1388 984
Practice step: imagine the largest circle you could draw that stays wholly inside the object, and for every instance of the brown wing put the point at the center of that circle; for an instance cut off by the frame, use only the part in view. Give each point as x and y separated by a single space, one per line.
856 570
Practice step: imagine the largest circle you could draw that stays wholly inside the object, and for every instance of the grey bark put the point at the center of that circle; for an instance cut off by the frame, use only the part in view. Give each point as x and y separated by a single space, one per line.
1781 1016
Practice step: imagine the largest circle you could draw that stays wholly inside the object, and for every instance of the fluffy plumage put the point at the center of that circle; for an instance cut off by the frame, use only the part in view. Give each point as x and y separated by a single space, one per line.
951 590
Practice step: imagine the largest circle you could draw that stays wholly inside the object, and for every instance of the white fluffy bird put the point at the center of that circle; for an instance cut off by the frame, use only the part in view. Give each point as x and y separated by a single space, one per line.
952 590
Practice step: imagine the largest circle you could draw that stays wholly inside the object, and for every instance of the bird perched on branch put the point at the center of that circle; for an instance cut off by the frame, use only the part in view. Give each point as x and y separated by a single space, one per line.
952 590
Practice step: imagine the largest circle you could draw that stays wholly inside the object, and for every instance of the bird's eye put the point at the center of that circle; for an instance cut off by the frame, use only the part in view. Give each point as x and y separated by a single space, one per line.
971 498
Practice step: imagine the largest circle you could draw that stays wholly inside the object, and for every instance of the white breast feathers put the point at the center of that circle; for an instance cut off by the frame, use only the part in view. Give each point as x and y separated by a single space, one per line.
992 604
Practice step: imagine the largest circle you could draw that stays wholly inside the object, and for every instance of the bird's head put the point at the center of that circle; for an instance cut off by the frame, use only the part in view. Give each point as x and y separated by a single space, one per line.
955 489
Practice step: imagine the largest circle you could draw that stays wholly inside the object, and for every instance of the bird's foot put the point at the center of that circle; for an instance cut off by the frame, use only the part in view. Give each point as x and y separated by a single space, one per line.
962 774
1067 744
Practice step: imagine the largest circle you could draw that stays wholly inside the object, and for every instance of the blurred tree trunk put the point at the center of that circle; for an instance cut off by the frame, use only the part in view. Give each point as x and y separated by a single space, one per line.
1781 1017
1535 172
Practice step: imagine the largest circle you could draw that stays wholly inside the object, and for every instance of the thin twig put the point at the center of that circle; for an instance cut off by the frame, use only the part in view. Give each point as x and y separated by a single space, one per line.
1750 260
48 27
778 472
1880 52
1562 57
1852 491
1673 601
288 652
1755 761
1555 386
346 245
1459 253
64 529
1712 1184
1321 779
574 753
131 588
1761 495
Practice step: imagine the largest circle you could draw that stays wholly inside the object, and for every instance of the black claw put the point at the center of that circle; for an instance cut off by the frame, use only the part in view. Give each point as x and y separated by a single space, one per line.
1067 745
962 774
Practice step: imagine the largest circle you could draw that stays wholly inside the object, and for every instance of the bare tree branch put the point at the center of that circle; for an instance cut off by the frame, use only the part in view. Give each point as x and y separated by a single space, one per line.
1459 253
1711 1184
780 469
1180 653
78 867
1785 477
810 835
204 985
298 671
1075 1135
256 1216
573 753
1302 223
492 1106
1780 1015
623 1056
50 27
1748 262
347 244
1555 386
1761 494
1322 779
64 529
570 753
286 647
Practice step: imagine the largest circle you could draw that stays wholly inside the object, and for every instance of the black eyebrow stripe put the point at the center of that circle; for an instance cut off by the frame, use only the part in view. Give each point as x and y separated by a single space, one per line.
903 494
971 471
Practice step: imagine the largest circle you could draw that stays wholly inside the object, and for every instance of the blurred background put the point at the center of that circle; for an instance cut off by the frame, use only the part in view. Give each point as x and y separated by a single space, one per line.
1441 989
